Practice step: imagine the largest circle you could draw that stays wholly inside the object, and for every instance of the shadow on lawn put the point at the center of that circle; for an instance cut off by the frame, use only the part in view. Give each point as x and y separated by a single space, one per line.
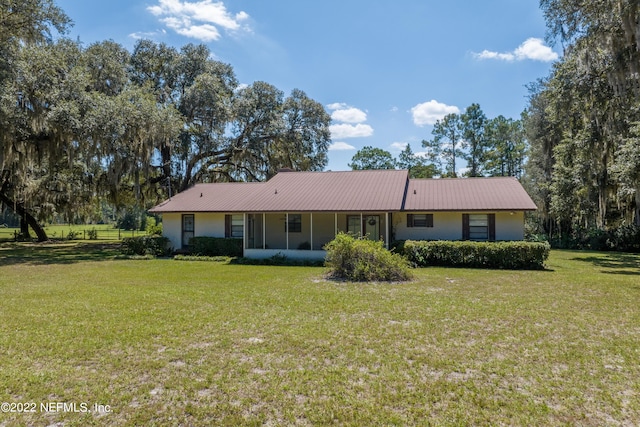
56 253
614 262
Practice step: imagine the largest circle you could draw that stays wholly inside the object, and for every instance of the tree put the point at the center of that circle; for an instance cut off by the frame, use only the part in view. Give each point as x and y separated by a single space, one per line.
447 138
627 172
473 123
372 158
230 133
23 24
418 166
506 137
579 122
607 26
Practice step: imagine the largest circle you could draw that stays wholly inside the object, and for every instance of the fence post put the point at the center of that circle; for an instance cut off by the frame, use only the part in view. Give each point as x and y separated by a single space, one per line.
119 234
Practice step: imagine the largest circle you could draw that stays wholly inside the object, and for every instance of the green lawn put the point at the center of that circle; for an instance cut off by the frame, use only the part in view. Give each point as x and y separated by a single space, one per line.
166 342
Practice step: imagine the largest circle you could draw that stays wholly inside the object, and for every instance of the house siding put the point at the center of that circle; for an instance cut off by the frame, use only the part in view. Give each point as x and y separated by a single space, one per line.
172 229
448 226
508 226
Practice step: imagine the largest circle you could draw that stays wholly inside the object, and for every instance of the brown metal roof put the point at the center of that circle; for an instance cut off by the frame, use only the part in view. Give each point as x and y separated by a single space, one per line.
467 194
371 190
218 197
352 191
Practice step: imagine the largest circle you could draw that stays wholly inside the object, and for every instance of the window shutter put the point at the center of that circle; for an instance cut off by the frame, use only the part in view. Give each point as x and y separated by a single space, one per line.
430 220
227 226
465 227
409 220
492 227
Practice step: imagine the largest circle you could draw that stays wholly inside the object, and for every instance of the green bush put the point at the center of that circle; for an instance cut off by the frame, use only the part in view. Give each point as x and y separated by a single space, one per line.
216 246
145 245
73 235
506 255
363 260
92 234
154 228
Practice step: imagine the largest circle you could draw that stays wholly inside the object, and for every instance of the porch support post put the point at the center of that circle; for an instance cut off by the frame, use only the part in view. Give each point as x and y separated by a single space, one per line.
264 231
362 236
286 227
246 230
311 225
336 227
386 229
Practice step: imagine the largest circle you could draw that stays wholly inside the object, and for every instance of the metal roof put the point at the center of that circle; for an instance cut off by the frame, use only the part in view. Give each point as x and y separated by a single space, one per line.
352 191
467 194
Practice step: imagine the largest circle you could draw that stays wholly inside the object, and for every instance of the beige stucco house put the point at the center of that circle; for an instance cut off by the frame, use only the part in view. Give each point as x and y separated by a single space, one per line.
296 213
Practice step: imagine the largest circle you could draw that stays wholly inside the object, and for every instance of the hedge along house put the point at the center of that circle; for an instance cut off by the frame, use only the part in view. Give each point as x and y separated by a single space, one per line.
296 213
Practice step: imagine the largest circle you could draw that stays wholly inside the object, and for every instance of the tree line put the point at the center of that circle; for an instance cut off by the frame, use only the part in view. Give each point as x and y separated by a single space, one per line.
81 124
583 123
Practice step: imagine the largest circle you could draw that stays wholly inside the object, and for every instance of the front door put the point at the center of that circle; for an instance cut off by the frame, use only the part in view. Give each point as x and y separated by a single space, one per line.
372 227
188 228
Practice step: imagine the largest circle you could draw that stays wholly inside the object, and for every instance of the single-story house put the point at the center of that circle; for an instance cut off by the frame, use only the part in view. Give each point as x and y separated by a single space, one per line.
297 213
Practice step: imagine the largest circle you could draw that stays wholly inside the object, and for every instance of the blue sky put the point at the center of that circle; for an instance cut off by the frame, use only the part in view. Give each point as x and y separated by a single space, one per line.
384 69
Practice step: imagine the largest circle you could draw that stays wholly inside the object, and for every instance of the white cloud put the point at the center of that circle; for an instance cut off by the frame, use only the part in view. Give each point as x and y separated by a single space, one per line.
147 35
350 122
399 146
349 115
201 20
341 146
345 130
337 106
533 49
428 113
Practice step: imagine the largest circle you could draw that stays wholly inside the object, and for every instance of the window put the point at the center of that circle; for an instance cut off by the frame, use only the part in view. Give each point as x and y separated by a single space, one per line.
420 220
188 228
234 226
353 225
479 227
295 223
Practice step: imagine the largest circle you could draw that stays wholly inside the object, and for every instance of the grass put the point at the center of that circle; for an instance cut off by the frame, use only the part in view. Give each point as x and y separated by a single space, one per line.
166 342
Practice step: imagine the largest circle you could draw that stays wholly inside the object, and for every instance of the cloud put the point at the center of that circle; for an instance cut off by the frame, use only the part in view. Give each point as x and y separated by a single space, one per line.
341 146
345 130
350 122
532 49
349 115
428 113
147 35
399 146
200 20
337 106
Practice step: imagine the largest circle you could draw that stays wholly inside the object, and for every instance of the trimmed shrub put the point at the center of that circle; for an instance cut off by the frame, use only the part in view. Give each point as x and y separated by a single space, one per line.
363 260
216 246
145 245
504 255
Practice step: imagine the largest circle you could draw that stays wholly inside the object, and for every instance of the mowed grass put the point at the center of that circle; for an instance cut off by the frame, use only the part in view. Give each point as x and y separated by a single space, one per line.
166 342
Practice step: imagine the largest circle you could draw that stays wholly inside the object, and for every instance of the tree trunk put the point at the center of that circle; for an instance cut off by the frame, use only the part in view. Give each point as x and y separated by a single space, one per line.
637 210
26 219
24 228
